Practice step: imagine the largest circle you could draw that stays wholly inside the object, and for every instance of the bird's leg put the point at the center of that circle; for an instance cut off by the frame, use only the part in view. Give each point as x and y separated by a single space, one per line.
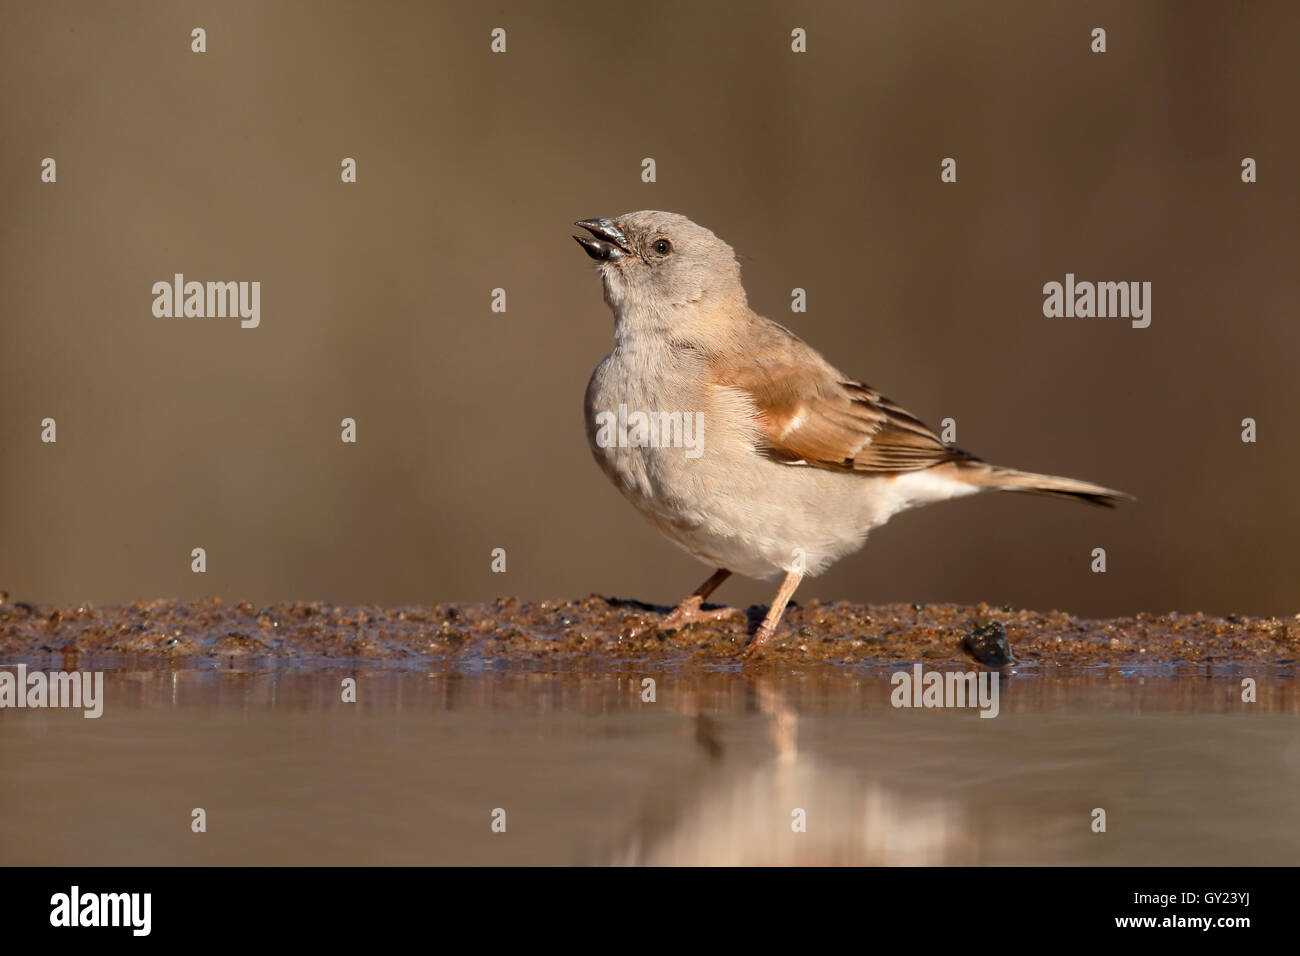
767 632
689 611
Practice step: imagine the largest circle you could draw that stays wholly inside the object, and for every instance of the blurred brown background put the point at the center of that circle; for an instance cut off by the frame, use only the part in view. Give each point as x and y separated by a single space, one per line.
822 169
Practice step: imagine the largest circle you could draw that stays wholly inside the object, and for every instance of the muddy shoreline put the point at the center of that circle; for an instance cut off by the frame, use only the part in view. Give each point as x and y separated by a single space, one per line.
597 631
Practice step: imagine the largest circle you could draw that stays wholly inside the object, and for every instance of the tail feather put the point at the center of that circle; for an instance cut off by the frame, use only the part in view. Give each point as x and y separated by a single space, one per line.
1010 479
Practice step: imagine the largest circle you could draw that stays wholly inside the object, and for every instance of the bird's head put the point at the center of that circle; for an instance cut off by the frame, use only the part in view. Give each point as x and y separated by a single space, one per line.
659 263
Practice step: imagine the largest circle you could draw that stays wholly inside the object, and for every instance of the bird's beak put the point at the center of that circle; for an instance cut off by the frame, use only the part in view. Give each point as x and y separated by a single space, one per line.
609 245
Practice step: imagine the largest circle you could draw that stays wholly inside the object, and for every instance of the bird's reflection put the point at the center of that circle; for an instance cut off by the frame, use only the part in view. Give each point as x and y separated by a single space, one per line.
788 809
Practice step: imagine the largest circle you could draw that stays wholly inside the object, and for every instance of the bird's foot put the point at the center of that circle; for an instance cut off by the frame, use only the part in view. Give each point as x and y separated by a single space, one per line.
690 612
764 638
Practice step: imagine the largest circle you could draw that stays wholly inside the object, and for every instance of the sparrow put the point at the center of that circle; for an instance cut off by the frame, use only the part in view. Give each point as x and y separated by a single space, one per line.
790 462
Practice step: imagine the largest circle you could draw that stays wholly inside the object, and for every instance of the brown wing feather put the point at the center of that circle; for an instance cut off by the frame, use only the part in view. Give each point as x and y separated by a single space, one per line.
804 413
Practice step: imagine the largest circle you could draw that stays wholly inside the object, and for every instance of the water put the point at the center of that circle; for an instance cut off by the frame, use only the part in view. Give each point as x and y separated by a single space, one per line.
712 772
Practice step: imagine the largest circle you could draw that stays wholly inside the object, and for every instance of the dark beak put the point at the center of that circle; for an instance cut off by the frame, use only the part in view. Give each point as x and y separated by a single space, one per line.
609 245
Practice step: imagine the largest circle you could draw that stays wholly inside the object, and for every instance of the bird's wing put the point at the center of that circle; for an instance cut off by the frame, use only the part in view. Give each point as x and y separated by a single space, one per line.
806 412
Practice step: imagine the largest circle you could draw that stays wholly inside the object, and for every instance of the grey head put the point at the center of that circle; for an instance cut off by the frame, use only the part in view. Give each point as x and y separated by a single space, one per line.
655 263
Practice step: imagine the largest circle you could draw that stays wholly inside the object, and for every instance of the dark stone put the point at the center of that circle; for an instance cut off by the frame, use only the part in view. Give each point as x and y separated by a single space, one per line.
988 645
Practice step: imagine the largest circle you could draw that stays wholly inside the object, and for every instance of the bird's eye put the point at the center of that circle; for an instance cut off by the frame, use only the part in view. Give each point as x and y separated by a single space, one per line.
663 247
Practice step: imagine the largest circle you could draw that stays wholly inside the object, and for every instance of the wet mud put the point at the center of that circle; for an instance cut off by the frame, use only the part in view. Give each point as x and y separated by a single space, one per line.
598 631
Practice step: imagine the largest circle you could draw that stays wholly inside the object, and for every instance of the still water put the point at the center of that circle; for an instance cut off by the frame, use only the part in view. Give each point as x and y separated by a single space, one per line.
720 768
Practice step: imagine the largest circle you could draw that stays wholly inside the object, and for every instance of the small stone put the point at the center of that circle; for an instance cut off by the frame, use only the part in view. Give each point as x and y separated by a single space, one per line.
988 645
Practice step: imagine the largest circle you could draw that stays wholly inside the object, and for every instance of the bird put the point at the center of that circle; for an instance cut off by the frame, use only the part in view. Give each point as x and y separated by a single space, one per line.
790 463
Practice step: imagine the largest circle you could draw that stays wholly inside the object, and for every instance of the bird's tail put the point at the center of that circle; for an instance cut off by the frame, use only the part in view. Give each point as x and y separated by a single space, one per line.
1009 479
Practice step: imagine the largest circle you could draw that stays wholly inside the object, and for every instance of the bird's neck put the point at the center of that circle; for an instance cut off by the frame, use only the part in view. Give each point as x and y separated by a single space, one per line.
695 323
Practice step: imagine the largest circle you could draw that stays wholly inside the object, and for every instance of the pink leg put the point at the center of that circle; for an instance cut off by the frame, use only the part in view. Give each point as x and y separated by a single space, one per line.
689 611
767 632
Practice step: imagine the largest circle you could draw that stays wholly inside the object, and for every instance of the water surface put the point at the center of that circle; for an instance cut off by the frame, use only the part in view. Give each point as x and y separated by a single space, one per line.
714 771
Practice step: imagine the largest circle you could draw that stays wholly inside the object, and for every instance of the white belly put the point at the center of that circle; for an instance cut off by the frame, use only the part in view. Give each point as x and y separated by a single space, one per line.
733 507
